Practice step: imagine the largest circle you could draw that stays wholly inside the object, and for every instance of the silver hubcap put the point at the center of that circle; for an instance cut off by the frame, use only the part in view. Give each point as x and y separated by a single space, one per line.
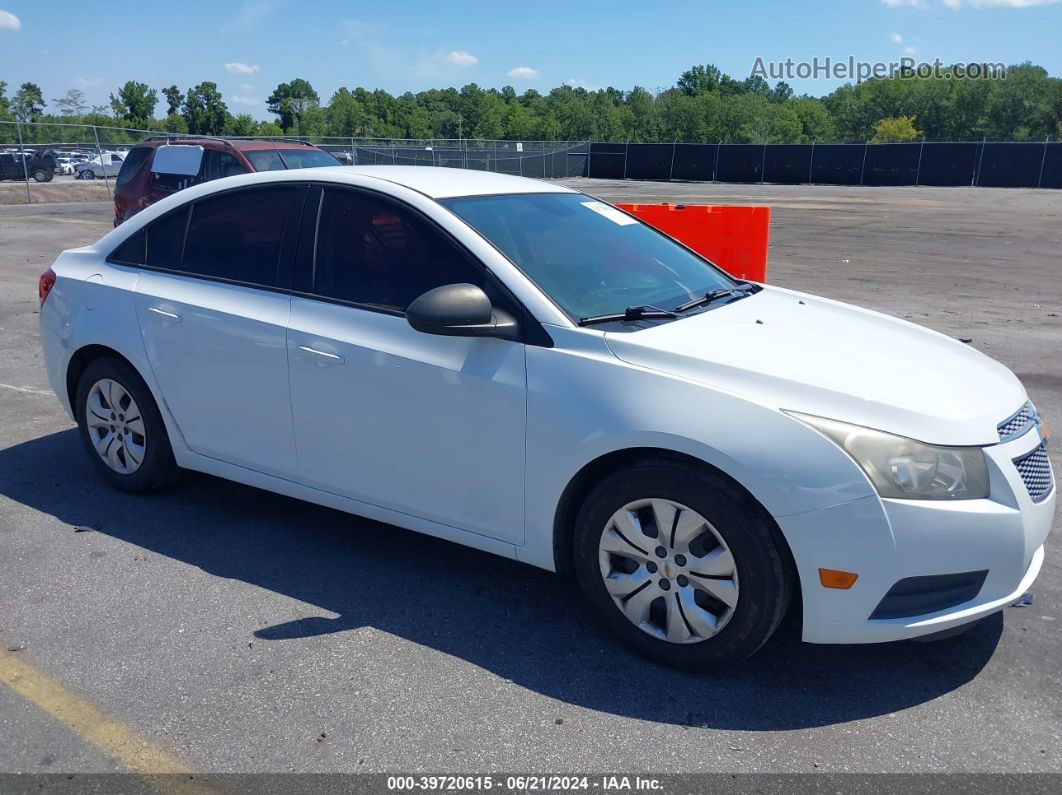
115 426
668 570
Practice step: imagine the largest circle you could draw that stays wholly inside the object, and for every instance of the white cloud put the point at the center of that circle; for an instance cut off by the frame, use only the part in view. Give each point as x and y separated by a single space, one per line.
910 50
89 82
461 58
896 38
581 83
9 21
523 73
246 87
238 68
239 99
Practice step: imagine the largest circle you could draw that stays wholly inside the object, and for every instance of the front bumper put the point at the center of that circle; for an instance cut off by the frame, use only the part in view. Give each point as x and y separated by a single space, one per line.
885 541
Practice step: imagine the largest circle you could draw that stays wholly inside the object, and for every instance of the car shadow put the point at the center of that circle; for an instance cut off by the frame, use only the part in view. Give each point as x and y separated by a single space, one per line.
521 623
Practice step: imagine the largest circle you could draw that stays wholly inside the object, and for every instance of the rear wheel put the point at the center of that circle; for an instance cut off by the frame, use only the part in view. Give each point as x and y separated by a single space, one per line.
40 175
121 427
680 565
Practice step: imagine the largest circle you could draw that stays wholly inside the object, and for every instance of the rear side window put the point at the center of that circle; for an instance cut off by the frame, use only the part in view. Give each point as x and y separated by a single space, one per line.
132 251
133 162
165 240
237 236
374 253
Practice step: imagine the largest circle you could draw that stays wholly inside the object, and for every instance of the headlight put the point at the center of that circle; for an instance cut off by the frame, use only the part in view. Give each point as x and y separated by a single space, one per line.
905 469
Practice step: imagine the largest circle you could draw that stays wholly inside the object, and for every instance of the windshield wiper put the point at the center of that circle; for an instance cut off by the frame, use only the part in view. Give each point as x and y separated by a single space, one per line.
714 295
643 312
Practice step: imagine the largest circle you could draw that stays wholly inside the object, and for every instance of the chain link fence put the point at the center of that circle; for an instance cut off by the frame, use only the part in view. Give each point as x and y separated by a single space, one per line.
50 162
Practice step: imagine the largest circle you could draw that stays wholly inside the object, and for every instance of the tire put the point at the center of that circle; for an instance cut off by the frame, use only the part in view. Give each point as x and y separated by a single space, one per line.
112 452
40 175
88 173
707 632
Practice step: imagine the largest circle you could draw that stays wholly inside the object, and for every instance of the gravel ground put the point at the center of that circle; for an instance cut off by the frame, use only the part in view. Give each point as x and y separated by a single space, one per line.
244 631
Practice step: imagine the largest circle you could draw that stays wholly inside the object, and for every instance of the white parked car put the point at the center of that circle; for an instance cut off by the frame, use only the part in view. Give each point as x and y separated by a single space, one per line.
107 164
518 367
65 165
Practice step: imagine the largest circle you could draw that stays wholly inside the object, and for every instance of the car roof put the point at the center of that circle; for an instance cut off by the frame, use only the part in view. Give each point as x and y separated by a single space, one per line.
242 144
438 182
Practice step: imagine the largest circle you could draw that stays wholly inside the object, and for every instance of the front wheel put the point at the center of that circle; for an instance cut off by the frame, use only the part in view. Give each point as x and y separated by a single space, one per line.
40 175
87 174
680 565
121 427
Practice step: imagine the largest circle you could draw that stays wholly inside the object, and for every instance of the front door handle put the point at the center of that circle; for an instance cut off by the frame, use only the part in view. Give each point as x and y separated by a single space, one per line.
326 358
168 315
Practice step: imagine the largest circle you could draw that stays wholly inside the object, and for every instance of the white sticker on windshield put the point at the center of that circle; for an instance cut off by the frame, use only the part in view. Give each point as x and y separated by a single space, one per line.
611 213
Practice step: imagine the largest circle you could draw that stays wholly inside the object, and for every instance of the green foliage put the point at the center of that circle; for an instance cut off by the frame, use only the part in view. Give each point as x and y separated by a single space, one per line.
204 111
705 105
28 103
291 101
174 100
135 103
895 130
73 104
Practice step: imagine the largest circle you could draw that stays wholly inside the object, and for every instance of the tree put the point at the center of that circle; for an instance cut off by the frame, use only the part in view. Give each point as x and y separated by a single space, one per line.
204 111
242 125
5 103
699 80
135 103
895 130
174 100
73 104
28 102
289 101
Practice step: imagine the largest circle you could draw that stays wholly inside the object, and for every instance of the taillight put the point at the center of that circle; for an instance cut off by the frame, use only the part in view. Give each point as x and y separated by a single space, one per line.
46 284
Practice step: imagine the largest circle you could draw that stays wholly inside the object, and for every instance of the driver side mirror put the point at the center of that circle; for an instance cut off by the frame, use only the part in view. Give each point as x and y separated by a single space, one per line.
460 310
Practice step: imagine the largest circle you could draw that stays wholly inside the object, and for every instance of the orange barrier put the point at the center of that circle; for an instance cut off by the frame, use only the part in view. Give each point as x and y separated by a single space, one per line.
734 238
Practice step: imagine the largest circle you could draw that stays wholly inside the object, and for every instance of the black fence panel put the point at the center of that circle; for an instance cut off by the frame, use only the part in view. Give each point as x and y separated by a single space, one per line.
892 164
649 161
607 161
949 164
787 164
1052 167
740 163
695 162
1010 165
838 164
576 162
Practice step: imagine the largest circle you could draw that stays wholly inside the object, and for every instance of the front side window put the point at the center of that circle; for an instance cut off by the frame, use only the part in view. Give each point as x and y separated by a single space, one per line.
237 236
373 253
588 257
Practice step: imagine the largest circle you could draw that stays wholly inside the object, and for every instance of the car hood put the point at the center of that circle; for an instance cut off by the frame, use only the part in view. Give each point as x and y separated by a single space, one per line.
799 352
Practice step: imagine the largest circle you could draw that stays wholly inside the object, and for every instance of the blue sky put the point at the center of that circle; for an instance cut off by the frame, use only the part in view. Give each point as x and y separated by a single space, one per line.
248 47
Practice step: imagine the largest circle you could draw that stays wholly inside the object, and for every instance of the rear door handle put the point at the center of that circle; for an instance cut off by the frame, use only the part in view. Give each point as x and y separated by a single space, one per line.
168 315
325 357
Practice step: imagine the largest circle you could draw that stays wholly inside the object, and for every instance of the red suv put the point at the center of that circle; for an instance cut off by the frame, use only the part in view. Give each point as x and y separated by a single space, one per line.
138 186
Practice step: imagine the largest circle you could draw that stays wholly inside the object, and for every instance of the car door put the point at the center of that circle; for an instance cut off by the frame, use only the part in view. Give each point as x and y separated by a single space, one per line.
427 425
213 307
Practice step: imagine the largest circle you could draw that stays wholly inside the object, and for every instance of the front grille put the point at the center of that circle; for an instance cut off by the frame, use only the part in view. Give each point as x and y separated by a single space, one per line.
1035 471
1018 424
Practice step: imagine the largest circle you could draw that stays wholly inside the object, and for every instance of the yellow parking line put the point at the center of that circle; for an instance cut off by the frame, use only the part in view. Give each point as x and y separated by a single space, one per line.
88 721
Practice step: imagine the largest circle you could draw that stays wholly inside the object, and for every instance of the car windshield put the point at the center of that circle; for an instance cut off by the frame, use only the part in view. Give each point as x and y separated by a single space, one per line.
280 159
589 257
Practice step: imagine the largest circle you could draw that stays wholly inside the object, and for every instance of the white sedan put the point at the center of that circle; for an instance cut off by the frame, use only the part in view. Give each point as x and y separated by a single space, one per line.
518 367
